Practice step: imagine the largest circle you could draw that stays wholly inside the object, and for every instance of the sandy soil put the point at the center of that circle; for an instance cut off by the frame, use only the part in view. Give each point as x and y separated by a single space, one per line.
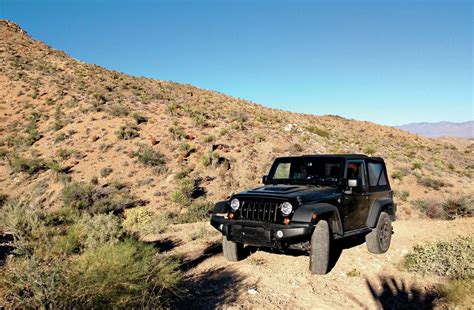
268 279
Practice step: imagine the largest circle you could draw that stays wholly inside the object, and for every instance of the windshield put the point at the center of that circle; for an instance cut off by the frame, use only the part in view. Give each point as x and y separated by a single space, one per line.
307 170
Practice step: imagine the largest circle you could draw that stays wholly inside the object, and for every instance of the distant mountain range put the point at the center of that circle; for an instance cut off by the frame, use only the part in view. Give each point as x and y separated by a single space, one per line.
441 129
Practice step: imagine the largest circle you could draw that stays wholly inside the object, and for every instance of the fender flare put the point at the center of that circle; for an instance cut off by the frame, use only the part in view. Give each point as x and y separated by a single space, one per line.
380 205
220 207
324 211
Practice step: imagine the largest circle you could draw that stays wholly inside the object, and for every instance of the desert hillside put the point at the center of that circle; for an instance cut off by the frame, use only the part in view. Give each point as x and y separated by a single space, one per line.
106 182
92 122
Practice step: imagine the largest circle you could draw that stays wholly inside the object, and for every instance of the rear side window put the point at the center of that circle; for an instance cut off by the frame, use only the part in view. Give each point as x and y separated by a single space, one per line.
377 175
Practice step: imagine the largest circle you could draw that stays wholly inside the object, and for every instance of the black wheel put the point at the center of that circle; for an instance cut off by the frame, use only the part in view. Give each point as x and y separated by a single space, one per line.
320 248
233 251
378 240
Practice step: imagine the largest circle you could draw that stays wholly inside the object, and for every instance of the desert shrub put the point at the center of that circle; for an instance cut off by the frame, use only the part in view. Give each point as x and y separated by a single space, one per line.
55 166
118 110
369 150
122 275
453 259
177 132
127 132
78 195
105 172
430 182
139 118
209 139
33 134
94 231
141 221
30 282
197 212
458 292
64 154
59 121
183 195
25 222
448 209
28 165
199 118
398 174
206 160
316 130
148 156
417 165
258 137
181 174
126 274
402 195
82 196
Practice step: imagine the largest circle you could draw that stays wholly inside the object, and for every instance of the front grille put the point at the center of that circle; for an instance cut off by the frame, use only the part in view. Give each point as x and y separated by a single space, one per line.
263 210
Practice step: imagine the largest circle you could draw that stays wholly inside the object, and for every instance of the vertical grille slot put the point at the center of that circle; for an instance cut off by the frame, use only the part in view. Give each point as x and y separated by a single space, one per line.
259 210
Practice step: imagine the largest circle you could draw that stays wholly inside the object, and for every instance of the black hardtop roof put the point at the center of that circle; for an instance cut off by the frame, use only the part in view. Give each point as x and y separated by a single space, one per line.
342 156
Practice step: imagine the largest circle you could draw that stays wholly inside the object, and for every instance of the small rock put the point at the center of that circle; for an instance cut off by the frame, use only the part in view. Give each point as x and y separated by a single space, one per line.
252 291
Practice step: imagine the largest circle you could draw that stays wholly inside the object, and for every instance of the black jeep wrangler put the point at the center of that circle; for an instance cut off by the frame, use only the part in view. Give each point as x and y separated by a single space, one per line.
308 202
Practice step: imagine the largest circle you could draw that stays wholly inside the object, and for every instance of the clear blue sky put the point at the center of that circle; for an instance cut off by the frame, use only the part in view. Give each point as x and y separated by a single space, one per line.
390 62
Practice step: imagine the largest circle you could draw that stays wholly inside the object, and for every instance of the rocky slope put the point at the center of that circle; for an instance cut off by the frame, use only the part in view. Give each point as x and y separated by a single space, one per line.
89 124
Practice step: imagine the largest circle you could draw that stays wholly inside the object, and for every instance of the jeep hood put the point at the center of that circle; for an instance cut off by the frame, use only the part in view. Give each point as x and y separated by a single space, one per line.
304 193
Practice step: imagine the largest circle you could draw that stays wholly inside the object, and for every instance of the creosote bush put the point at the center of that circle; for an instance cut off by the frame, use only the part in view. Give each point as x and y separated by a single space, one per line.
127 132
448 209
30 166
86 197
148 156
453 259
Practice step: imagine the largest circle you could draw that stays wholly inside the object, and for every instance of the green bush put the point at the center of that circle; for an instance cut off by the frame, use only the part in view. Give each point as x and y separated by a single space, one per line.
28 165
141 221
118 110
139 118
315 130
123 275
196 213
82 196
127 274
430 182
30 282
26 222
369 150
148 156
448 209
97 230
127 132
453 259
183 195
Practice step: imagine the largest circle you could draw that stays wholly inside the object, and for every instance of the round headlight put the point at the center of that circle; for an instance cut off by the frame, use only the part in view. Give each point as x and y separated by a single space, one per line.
286 208
234 204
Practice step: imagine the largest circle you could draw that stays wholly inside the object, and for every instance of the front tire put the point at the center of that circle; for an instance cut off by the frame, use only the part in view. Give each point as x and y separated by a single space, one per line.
320 248
233 251
378 240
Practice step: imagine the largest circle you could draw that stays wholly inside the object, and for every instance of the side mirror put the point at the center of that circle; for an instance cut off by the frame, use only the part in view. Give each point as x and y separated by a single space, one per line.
352 183
264 179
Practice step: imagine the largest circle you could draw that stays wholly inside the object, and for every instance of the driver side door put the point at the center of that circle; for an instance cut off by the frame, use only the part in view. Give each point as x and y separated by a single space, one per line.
356 204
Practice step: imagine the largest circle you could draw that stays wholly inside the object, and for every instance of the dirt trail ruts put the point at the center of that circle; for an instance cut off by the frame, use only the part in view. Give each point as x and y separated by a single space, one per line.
266 279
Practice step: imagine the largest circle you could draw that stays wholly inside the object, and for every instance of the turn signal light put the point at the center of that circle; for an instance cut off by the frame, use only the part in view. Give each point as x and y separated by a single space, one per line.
231 215
286 221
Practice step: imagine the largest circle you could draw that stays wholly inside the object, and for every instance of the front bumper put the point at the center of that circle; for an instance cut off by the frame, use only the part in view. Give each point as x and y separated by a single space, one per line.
262 233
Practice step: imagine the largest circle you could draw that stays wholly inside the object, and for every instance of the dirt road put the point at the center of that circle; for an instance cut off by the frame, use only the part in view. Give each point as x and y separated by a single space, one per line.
271 280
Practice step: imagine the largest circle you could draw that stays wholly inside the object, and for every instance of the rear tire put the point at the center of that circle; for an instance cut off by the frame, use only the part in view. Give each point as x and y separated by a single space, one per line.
378 240
233 251
320 248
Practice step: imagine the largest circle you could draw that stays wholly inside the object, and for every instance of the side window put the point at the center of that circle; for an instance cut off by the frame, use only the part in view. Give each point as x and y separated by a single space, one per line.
355 170
377 175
